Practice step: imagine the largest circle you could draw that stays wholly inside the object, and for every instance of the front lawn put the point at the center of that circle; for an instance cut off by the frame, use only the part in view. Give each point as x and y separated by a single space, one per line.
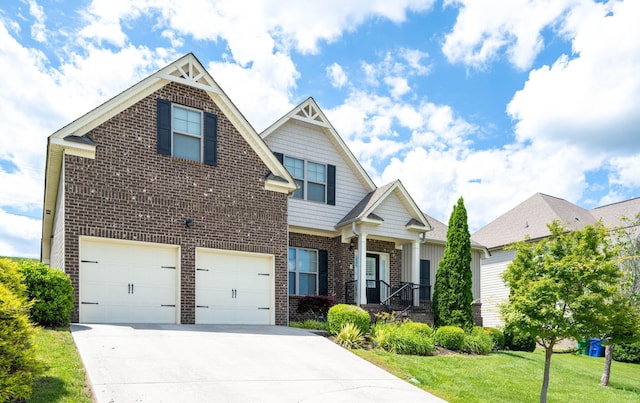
511 376
64 376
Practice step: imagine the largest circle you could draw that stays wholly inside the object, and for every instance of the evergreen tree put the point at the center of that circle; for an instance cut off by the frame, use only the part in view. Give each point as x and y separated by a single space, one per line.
452 293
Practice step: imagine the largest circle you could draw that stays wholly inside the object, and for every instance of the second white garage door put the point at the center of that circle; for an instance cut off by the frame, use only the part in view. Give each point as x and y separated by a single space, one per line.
234 288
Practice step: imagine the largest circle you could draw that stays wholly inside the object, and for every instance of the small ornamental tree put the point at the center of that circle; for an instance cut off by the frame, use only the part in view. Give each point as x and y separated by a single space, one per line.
452 292
561 287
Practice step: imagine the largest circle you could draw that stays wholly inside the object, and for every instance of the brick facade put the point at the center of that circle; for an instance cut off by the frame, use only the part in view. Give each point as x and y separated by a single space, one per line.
341 264
130 192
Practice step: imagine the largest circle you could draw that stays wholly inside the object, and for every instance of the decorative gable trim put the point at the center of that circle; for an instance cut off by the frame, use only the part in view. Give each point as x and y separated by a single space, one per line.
308 111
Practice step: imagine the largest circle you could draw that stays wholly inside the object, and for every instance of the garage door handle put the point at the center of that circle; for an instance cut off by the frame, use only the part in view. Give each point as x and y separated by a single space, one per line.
89 303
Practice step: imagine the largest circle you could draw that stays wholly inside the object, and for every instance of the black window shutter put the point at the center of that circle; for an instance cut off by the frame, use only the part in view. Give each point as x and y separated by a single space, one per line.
279 156
210 139
164 126
323 272
331 185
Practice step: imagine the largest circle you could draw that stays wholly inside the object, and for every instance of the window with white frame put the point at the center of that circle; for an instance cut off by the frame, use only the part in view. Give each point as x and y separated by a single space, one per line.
311 178
303 271
187 133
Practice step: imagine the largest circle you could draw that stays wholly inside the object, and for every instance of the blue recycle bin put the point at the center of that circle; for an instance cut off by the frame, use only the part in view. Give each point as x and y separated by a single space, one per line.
595 348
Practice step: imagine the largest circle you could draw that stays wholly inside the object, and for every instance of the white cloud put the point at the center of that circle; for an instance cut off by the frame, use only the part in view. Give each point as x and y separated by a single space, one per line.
626 171
337 75
592 99
20 235
485 28
38 30
398 86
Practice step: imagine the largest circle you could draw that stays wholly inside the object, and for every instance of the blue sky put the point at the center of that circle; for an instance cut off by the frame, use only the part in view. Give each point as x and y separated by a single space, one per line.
493 101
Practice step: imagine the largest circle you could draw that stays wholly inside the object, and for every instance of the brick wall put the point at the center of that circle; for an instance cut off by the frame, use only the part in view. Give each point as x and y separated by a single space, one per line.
130 192
341 264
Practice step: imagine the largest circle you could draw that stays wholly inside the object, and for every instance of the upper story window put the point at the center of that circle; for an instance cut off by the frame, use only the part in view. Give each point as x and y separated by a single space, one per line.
316 182
187 133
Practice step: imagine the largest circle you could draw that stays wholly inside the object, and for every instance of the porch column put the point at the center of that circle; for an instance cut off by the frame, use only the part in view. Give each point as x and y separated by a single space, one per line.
361 275
415 270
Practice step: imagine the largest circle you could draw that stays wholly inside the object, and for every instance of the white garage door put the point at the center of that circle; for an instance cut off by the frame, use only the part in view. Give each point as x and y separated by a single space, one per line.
127 282
234 287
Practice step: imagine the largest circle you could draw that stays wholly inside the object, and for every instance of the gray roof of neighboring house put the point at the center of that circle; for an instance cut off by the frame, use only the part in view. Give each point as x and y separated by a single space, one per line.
530 219
612 213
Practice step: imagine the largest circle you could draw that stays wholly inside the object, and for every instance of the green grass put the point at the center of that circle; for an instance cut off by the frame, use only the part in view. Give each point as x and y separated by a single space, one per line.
64 376
512 376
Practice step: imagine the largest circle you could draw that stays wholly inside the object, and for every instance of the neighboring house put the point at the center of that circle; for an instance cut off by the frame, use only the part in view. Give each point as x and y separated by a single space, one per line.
338 217
163 205
529 220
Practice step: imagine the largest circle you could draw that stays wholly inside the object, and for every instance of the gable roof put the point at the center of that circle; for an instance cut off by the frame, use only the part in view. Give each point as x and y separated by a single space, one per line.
308 111
364 210
611 214
530 218
438 234
72 139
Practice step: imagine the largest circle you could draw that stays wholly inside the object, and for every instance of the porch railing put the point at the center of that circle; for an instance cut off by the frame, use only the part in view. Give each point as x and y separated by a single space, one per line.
400 297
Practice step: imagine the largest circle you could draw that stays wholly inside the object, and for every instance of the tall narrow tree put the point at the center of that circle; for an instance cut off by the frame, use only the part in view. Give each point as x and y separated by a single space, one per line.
452 293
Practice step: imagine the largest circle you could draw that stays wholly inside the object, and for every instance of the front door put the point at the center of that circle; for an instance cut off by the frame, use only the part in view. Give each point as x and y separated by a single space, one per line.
373 277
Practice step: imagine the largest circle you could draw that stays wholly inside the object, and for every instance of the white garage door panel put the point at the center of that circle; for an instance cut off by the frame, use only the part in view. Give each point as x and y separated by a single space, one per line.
127 282
234 288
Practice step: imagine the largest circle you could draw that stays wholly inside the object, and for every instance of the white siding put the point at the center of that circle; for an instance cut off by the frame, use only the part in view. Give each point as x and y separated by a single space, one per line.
435 253
493 290
395 217
56 259
305 141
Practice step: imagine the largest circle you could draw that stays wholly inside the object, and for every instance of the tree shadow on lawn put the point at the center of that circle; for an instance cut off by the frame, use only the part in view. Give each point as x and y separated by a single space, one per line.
624 387
511 354
48 389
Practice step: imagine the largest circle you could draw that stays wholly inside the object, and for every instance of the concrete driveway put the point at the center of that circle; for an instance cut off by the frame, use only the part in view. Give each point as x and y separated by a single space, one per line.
229 363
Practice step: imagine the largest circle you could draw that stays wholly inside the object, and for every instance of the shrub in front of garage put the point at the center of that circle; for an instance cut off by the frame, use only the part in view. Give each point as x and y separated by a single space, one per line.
51 293
18 363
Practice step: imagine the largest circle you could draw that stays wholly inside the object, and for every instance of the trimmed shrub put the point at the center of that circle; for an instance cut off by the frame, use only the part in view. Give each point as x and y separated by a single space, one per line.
18 363
318 305
350 336
497 336
628 352
515 342
449 337
404 338
478 342
51 292
341 314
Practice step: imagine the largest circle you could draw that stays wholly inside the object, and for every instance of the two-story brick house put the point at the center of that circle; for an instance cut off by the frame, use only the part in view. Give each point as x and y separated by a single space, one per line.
163 205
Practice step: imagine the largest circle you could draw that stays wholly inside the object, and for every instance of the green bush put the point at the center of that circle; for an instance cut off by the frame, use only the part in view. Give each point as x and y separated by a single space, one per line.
403 338
449 337
515 342
341 314
497 336
478 342
18 363
350 336
629 352
51 293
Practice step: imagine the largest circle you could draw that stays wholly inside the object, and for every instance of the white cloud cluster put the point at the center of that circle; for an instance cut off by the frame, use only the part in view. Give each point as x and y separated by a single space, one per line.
485 28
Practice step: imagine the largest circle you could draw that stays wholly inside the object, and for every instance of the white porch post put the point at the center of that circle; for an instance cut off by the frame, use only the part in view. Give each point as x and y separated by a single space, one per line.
361 297
415 270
